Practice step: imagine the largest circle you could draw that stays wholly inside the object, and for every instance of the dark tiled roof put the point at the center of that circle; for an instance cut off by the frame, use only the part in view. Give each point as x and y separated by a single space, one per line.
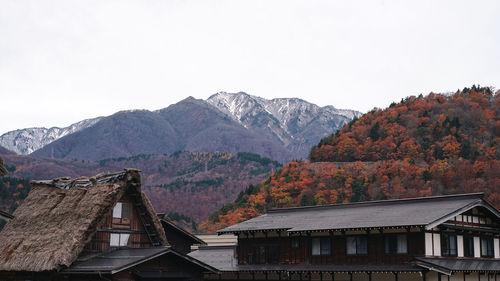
166 223
370 214
460 264
220 257
117 260
223 259
121 259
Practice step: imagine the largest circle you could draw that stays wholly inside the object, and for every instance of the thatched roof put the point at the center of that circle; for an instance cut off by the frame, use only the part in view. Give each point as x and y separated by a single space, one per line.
59 217
3 171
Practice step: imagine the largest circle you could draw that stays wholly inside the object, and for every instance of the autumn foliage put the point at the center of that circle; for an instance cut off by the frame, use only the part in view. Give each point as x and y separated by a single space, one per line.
423 146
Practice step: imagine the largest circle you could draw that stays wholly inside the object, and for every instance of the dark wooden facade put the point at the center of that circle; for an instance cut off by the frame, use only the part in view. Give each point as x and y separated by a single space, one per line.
249 248
132 225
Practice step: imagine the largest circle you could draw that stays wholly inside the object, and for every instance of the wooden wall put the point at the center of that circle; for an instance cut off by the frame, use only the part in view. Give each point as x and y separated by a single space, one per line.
138 236
289 255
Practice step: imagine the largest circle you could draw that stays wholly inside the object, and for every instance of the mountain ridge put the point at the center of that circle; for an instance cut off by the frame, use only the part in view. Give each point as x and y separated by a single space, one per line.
280 128
28 140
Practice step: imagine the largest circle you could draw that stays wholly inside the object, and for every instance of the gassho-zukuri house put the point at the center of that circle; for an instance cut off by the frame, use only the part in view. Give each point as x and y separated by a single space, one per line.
104 228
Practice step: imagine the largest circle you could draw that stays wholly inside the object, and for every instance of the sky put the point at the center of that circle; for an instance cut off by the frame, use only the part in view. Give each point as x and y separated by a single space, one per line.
64 61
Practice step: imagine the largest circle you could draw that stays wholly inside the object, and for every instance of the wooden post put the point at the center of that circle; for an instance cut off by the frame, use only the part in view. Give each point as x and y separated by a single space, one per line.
350 276
395 276
369 276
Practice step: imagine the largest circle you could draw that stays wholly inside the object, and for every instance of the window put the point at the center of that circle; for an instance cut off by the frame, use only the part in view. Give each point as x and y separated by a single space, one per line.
122 210
122 213
273 254
487 247
264 255
468 246
357 245
321 246
448 244
295 243
119 239
395 244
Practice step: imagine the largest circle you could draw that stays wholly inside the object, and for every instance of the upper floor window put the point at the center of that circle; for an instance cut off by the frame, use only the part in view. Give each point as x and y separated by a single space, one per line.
357 245
321 246
122 210
396 244
264 255
294 243
468 246
122 213
448 244
487 247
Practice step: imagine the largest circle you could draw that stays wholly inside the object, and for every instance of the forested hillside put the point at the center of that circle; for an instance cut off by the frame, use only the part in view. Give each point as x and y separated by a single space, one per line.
193 184
432 145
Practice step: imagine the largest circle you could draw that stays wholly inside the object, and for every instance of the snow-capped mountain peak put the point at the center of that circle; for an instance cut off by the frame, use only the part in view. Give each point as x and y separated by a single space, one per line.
25 141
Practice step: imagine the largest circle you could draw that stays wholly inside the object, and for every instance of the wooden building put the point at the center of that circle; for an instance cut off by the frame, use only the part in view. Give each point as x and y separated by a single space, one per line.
96 228
441 238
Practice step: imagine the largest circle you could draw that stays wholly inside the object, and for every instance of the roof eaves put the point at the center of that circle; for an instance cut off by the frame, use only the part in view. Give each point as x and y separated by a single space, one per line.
480 202
145 259
433 267
222 231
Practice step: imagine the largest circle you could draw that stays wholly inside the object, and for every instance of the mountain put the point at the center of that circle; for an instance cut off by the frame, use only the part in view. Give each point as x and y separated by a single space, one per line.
422 146
294 123
282 129
191 125
25 141
193 184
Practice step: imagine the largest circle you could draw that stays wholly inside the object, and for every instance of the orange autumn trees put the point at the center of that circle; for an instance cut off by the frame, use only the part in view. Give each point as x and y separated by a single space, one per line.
423 146
437 126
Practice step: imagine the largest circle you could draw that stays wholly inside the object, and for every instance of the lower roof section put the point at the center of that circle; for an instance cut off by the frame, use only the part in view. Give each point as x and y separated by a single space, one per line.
121 259
116 260
448 265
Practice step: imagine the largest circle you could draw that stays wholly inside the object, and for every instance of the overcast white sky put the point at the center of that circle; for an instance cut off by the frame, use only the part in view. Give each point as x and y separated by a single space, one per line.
64 61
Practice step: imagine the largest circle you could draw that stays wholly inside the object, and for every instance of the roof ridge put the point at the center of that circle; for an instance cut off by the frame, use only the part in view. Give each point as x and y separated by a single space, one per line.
373 202
66 182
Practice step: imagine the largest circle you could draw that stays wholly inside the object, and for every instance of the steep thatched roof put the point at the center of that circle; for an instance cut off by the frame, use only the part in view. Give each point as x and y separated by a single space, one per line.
59 217
3 171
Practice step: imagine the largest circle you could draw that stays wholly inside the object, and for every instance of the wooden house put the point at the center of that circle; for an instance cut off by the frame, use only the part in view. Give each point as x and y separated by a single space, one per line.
441 238
96 228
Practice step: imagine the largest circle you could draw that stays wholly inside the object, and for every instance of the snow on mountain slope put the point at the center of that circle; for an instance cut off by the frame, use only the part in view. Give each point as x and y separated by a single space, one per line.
294 122
25 141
